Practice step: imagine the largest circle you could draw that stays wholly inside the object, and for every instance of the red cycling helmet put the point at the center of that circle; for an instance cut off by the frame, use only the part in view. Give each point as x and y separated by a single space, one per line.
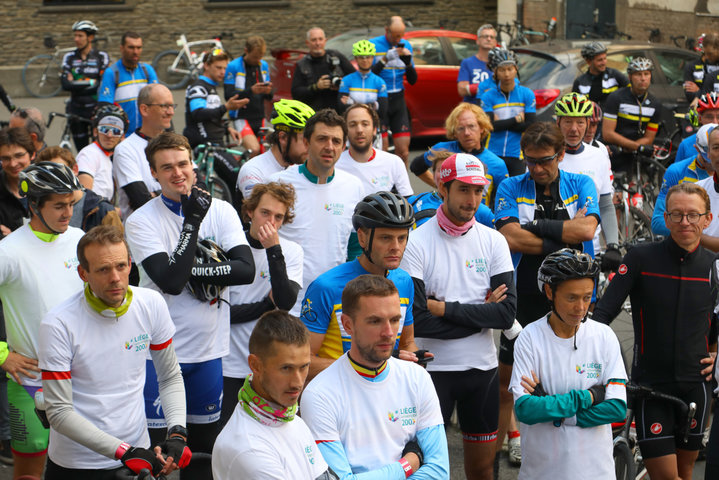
596 113
708 101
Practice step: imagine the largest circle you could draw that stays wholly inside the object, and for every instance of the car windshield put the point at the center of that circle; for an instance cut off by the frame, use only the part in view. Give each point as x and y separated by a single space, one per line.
537 71
343 43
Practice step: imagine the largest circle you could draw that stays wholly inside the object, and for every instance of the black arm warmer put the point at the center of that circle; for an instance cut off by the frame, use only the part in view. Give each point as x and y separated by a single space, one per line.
506 124
377 67
546 228
284 291
427 325
239 270
171 272
230 91
486 315
410 73
382 109
418 166
137 193
206 114
529 118
248 312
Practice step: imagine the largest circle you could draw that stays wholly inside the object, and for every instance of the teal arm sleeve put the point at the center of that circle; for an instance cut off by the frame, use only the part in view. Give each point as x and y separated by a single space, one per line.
433 442
531 409
335 456
354 249
613 410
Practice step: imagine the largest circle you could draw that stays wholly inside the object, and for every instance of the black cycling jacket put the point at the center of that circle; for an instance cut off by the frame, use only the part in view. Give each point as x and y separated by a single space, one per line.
673 294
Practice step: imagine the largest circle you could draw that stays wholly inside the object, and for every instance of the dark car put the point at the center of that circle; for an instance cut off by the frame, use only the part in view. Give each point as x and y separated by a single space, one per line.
437 56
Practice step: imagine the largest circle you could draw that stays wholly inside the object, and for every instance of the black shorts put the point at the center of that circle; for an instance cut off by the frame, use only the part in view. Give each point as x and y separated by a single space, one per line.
397 114
530 307
476 394
659 425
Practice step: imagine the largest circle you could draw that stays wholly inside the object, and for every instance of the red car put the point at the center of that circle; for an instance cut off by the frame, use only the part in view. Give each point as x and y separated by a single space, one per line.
437 55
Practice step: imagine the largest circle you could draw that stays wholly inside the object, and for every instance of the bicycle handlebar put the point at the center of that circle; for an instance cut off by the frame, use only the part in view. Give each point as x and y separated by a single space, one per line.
687 411
68 116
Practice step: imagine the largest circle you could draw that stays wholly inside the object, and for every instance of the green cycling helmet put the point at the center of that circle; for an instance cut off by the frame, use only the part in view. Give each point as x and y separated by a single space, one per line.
573 105
290 115
364 48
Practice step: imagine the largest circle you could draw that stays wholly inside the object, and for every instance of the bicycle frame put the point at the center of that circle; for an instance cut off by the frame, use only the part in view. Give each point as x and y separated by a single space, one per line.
193 57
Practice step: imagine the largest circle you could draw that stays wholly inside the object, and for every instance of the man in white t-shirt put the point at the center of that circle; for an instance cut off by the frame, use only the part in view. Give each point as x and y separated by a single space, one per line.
188 247
278 278
568 380
130 166
378 170
93 349
464 287
710 237
393 428
95 160
573 113
288 118
264 438
326 198
38 266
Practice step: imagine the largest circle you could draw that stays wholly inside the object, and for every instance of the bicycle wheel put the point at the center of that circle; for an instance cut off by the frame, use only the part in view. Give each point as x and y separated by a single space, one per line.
624 466
172 79
219 189
41 76
636 228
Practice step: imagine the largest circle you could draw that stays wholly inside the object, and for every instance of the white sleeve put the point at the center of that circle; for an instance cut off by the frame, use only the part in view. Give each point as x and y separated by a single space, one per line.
230 227
401 179
294 259
412 261
523 364
501 257
319 416
430 413
249 177
86 163
143 237
8 267
125 167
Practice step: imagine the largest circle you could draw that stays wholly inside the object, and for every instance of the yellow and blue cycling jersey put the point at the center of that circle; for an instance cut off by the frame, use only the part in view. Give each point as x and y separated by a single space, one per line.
322 305
505 143
363 87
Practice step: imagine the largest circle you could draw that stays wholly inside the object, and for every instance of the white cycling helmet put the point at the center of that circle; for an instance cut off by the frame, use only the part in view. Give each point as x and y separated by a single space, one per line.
85 26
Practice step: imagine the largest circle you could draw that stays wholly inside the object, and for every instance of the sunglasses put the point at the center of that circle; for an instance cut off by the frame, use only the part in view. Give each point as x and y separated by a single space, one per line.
110 131
532 161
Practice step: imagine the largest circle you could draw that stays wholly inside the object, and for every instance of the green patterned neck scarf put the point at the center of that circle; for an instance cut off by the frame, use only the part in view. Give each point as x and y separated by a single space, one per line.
100 307
264 411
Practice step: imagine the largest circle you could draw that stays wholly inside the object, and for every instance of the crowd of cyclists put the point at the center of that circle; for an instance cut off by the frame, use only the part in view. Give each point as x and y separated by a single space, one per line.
328 323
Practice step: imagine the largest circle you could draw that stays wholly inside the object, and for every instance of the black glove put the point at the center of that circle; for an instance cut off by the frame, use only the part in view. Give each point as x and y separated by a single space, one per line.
413 447
597 392
137 458
539 390
407 59
612 258
646 150
176 447
195 206
423 359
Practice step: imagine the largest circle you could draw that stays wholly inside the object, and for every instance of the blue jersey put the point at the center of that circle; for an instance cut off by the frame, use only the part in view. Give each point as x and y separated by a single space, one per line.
237 76
680 172
363 87
429 202
516 199
121 86
474 71
393 71
496 168
686 148
322 305
521 99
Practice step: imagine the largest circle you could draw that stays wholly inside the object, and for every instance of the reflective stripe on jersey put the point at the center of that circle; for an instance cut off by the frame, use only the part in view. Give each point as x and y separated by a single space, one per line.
364 88
393 71
626 108
502 106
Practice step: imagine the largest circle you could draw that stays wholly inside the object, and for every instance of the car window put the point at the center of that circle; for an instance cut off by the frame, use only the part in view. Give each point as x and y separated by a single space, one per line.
672 65
620 60
427 51
528 65
463 47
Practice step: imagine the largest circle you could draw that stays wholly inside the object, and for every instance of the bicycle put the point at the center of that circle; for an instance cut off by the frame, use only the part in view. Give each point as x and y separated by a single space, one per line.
669 138
205 160
200 468
175 68
628 460
519 35
66 141
41 73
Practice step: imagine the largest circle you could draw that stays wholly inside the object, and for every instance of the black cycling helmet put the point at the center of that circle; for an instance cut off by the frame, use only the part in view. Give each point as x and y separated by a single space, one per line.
85 26
110 110
207 252
592 49
566 264
382 210
500 56
46 178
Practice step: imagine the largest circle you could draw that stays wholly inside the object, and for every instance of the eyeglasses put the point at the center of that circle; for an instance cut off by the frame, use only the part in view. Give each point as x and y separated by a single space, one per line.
532 161
14 156
110 131
692 217
164 106
488 37
473 127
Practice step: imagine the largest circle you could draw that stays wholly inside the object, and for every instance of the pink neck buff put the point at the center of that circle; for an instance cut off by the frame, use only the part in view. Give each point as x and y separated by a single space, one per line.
448 226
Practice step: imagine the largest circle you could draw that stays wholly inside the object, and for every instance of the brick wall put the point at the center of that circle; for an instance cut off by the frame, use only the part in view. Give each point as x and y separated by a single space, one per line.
26 21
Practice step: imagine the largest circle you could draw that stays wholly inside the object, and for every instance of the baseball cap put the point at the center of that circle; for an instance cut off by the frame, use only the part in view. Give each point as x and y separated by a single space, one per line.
465 168
702 141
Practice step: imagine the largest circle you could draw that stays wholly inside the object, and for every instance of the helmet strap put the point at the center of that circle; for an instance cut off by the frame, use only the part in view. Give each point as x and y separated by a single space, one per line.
36 210
368 251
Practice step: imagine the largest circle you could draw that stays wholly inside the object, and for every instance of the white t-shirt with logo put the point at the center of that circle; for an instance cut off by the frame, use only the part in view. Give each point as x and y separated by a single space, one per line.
129 165
383 172
372 420
257 170
708 185
93 161
458 269
106 358
567 451
203 330
34 277
323 221
248 449
235 364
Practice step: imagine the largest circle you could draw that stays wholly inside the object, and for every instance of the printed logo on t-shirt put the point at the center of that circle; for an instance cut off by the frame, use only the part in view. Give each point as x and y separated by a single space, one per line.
310 453
71 263
407 416
656 428
381 181
335 208
590 369
137 343
265 275
479 265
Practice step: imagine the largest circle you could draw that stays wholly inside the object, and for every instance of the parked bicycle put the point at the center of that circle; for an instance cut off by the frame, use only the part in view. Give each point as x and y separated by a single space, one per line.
628 460
520 35
66 138
670 135
205 159
41 74
175 68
